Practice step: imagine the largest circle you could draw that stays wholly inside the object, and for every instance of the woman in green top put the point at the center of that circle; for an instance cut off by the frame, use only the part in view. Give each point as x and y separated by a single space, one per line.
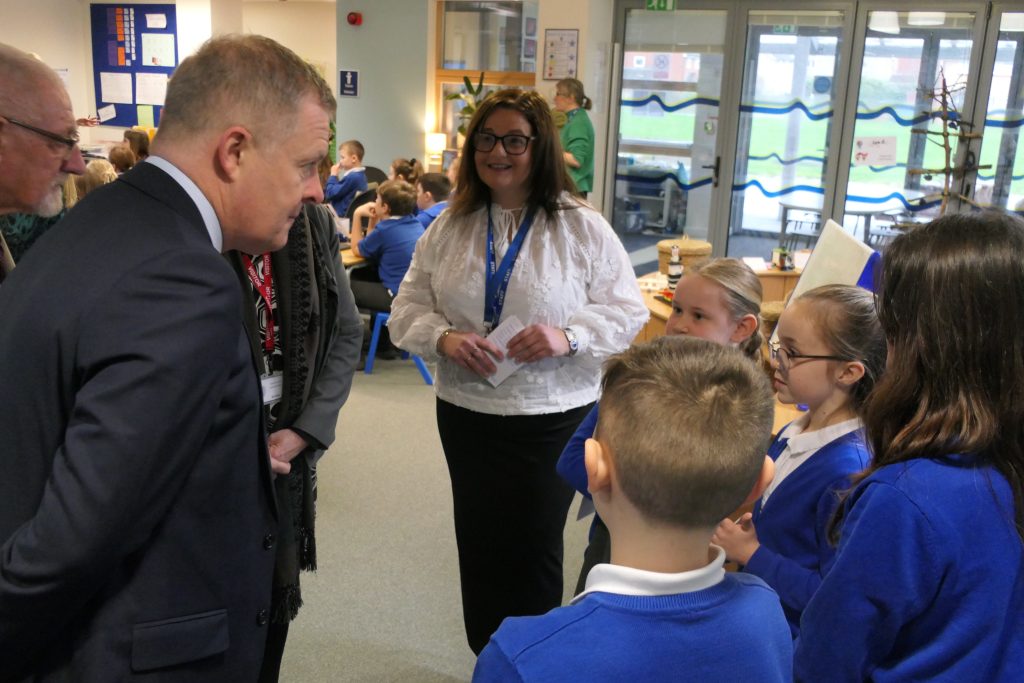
577 133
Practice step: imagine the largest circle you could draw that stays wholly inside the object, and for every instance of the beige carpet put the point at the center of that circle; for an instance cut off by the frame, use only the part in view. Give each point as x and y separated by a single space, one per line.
384 604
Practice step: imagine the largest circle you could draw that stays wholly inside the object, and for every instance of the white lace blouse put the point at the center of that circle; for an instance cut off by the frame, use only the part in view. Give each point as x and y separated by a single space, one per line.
572 272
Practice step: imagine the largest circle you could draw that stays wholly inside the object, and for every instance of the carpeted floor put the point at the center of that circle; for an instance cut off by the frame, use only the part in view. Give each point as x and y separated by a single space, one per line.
384 603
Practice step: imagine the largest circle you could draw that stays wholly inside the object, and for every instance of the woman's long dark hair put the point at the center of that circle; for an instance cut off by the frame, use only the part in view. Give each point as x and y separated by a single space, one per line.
951 304
548 177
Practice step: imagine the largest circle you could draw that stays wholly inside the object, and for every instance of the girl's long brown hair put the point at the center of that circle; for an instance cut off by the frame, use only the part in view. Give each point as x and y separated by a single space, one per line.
548 177
951 304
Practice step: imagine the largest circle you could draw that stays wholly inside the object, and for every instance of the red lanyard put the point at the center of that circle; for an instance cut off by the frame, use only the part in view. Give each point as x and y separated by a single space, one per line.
265 289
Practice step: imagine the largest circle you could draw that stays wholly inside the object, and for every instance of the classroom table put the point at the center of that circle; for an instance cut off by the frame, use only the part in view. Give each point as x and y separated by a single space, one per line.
350 260
813 206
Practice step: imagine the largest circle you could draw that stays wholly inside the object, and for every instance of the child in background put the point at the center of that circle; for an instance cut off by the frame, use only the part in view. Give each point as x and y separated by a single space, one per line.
432 192
97 172
121 157
342 189
679 443
928 579
718 300
408 170
138 140
829 354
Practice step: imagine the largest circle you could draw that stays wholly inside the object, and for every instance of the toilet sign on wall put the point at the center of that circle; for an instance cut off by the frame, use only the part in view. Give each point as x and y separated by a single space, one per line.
348 83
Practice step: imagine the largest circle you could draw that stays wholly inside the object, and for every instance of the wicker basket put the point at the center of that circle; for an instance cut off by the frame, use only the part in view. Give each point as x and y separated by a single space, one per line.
690 252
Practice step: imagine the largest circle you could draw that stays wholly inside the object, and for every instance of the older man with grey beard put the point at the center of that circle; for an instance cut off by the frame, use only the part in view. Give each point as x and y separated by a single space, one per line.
38 139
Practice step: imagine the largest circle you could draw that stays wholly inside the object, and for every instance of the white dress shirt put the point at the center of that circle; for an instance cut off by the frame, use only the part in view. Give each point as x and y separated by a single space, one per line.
192 190
572 272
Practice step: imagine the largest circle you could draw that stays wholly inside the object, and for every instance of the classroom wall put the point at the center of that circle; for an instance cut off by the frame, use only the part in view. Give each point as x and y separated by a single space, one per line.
308 28
393 52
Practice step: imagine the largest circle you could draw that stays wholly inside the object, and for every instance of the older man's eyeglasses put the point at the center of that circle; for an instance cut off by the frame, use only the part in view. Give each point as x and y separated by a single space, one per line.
513 143
68 142
784 357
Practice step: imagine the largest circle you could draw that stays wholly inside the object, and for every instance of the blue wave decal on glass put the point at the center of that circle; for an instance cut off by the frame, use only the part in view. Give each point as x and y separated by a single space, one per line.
787 108
787 162
659 179
670 107
1004 123
784 191
983 176
914 121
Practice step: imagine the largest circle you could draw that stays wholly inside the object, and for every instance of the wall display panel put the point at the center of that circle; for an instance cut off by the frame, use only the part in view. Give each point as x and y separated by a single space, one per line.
134 52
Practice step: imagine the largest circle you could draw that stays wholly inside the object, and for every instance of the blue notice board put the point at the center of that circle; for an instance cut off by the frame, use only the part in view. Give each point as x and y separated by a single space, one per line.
348 83
134 52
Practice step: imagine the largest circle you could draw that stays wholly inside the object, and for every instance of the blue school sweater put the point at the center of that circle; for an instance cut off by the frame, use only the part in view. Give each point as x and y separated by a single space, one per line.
571 466
927 583
391 245
792 527
427 216
733 631
341 191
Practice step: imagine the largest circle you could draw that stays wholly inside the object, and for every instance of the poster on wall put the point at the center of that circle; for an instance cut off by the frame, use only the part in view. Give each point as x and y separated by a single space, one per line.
134 52
561 52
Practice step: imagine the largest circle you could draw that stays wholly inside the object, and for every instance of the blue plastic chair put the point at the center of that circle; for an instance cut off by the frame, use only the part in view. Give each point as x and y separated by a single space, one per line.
379 319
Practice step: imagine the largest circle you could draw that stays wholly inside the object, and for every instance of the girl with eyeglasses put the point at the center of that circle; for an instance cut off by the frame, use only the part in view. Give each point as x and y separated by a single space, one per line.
928 578
829 353
514 242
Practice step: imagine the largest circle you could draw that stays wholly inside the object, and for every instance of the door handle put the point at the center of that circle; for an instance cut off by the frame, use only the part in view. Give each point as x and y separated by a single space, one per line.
716 166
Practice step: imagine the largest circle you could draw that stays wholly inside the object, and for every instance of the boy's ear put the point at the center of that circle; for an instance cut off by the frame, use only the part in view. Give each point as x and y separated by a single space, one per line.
745 327
599 470
765 478
851 373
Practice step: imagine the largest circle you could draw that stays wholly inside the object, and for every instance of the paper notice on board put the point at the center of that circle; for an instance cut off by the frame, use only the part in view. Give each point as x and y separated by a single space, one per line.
116 88
106 113
156 21
500 336
150 88
158 49
145 116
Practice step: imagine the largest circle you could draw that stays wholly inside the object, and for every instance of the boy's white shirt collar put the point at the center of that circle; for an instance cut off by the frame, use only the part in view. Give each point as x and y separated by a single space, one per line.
353 170
801 442
613 578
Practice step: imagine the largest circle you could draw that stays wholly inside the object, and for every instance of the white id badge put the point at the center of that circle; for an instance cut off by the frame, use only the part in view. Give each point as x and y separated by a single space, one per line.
272 387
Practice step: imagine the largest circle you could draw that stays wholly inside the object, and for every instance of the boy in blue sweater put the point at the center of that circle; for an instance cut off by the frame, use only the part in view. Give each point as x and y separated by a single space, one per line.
680 443
348 177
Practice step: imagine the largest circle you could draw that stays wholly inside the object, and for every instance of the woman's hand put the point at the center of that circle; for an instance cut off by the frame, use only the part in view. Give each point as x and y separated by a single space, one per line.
471 351
536 342
738 539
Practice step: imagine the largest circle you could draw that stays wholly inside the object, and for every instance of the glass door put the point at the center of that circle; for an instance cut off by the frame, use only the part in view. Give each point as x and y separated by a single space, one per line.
793 82
666 161
917 75
997 178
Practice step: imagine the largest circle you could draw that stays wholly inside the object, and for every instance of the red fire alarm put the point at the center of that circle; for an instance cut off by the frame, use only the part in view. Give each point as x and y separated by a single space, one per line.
355 18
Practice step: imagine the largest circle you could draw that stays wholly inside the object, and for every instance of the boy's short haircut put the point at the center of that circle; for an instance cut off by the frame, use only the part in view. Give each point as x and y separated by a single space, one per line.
399 195
437 184
353 146
687 422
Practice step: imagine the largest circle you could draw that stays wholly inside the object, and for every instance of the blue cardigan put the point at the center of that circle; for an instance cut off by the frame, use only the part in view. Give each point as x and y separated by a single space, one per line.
733 631
927 583
341 191
793 527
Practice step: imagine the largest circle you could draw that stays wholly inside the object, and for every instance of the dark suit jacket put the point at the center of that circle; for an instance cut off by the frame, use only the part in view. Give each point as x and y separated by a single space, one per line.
136 507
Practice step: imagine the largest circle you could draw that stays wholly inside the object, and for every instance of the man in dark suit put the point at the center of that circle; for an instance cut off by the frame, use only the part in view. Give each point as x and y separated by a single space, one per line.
137 518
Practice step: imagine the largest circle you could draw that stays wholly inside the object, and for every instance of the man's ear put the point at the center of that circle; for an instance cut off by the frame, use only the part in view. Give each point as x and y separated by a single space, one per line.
232 146
763 479
599 468
745 327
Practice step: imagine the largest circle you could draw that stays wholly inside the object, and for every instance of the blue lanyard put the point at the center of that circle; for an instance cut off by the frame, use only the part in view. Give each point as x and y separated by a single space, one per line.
499 276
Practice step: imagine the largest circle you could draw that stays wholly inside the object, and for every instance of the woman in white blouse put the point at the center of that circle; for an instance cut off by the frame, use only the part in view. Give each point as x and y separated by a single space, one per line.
514 245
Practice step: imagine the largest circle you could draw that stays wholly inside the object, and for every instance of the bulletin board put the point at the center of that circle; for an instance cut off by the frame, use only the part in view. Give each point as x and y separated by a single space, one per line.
134 52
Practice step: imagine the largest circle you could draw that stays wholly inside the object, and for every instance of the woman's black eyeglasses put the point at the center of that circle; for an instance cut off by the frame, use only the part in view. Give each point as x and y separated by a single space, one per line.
68 142
513 143
784 357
